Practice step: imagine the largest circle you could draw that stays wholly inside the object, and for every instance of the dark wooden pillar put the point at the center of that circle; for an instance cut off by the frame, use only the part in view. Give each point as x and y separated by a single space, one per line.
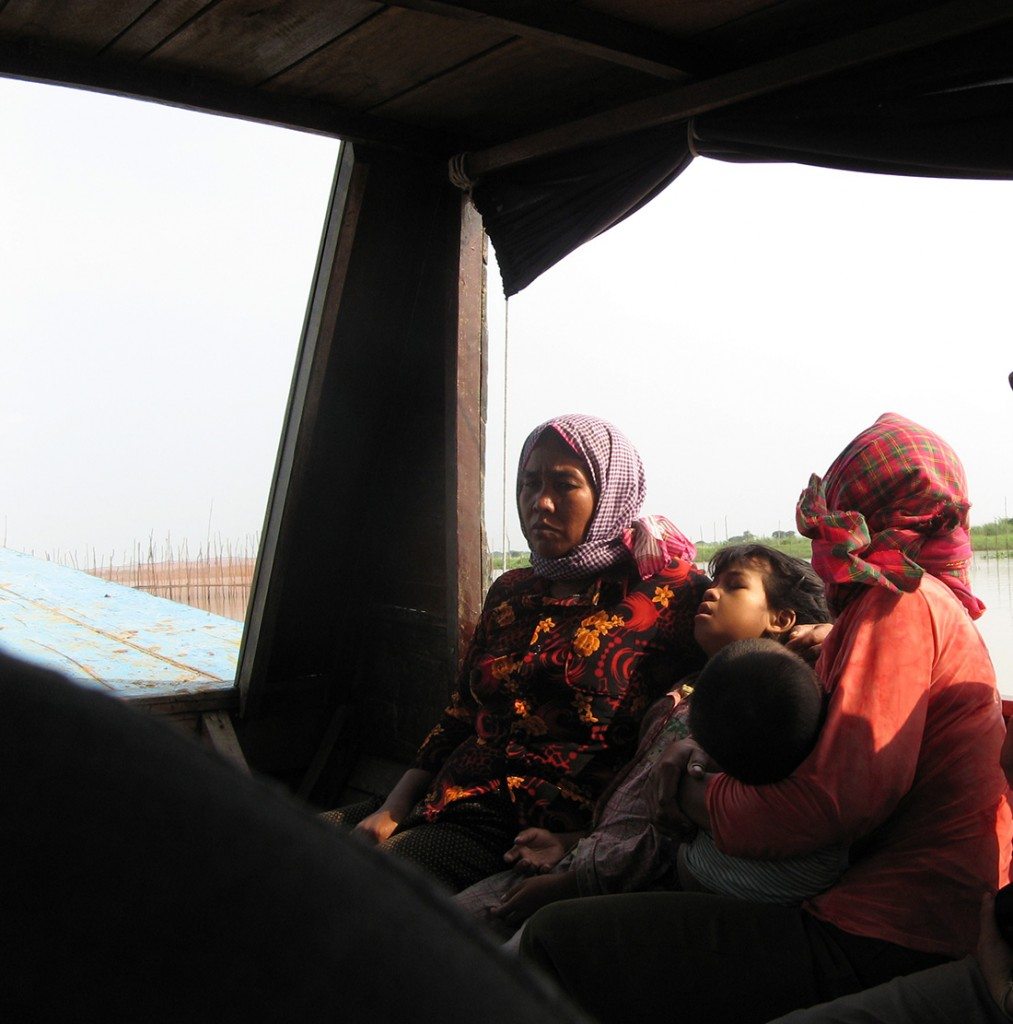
372 555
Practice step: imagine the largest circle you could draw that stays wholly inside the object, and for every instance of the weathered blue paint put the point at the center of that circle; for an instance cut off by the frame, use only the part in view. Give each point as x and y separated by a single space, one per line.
111 636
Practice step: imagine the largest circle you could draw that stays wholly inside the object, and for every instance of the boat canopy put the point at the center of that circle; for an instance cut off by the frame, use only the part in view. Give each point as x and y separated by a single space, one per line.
543 122
562 119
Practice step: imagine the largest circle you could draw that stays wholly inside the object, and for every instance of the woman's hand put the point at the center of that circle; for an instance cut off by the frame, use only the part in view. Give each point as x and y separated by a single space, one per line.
537 850
995 958
531 894
807 640
380 825
377 827
681 760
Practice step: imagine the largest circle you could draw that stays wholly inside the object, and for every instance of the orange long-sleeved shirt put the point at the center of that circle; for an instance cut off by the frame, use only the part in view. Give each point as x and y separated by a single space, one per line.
906 769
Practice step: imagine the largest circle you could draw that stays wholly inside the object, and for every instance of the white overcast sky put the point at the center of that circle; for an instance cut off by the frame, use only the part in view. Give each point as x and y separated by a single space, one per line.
155 264
752 319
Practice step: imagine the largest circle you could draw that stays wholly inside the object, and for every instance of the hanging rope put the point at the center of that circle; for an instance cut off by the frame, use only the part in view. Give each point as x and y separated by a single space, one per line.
458 174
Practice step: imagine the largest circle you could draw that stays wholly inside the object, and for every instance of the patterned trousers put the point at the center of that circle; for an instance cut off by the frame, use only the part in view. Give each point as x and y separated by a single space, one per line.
464 846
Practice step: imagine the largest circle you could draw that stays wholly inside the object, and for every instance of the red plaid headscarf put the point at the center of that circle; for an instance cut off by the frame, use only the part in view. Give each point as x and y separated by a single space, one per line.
616 532
892 507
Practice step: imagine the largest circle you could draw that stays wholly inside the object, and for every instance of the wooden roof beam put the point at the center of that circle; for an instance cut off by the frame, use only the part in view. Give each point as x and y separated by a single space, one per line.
903 35
570 27
37 63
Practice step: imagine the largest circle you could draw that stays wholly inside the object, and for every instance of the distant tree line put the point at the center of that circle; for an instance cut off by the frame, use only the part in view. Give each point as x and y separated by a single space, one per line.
988 538
997 528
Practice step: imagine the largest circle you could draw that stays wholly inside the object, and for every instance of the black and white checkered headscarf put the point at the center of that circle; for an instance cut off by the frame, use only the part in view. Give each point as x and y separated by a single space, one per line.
617 533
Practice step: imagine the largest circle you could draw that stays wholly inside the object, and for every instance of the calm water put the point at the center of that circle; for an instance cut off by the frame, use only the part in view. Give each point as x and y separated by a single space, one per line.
992 581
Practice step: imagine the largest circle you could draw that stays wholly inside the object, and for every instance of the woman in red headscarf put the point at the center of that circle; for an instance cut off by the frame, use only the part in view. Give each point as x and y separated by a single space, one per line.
906 770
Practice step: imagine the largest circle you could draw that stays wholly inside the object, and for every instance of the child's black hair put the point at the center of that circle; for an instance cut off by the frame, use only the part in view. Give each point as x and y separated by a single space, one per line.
789 583
756 709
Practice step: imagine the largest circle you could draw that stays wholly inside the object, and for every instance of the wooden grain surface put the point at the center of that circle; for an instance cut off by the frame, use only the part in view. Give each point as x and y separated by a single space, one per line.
109 636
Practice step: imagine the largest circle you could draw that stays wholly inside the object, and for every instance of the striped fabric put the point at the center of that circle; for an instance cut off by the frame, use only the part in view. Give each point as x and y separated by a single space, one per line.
789 880
892 507
617 531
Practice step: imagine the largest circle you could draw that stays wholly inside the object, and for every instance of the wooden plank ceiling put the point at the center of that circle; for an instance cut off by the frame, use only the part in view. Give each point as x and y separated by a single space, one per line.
434 76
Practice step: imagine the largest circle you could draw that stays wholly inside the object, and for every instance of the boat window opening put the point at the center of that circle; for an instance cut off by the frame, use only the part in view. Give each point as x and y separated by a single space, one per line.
157 265
756 315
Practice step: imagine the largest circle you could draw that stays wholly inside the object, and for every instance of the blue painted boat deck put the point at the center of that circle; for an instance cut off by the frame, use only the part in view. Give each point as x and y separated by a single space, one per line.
110 636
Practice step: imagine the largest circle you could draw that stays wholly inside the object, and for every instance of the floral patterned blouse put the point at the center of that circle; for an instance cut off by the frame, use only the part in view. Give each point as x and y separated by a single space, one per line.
552 690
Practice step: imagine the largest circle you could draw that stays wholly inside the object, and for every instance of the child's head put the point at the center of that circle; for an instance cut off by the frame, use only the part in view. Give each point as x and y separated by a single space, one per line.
756 709
757 591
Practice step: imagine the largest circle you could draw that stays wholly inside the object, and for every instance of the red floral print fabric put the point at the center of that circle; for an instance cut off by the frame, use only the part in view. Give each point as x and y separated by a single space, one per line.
552 690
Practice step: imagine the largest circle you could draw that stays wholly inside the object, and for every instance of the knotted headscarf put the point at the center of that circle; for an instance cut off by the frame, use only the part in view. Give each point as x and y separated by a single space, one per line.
892 507
616 532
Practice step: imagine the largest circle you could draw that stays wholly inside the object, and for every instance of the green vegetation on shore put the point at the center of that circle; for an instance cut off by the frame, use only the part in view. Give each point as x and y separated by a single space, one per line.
991 540
787 541
515 559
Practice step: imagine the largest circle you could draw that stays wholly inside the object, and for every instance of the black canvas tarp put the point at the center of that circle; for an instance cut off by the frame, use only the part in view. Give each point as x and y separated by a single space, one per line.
538 212
943 111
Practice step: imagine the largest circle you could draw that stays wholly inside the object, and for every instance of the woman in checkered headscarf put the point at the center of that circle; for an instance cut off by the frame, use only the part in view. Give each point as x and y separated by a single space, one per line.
615 532
565 659
905 771
892 507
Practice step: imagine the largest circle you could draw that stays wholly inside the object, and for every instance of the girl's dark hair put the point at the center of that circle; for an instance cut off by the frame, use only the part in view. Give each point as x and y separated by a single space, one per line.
790 584
756 709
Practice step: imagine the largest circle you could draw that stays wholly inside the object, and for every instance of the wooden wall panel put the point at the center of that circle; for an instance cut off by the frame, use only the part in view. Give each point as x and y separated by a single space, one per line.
358 586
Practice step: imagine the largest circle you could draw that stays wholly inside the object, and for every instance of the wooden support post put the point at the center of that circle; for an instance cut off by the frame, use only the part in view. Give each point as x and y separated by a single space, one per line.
466 411
221 735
